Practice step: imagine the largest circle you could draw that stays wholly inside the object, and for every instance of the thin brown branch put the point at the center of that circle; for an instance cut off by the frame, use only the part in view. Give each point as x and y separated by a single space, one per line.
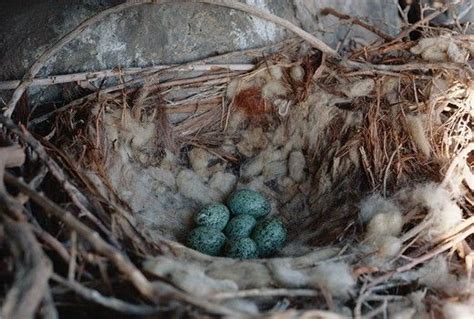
94 75
365 25
425 20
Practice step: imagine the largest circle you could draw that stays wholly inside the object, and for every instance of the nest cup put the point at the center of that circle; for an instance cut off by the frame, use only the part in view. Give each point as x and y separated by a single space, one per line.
313 149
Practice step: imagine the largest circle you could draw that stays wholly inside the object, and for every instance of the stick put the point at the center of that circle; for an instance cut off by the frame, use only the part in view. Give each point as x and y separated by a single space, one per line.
33 270
266 293
43 59
90 76
404 67
48 309
108 302
426 19
358 22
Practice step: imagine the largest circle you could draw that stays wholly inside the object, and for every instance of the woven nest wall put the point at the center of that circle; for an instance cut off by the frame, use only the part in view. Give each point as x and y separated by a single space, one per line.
367 159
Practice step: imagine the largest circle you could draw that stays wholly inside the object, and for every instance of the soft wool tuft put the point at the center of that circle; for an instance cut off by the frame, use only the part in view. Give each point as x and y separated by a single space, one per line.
389 223
273 89
375 204
335 277
458 310
443 210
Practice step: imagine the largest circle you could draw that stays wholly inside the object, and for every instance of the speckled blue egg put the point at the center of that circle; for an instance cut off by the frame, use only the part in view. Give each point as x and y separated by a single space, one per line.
270 236
240 226
242 248
248 202
214 216
206 240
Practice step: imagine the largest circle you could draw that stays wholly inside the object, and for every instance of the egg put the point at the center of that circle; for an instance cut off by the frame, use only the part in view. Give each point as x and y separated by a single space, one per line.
214 216
270 236
248 202
206 240
242 248
239 227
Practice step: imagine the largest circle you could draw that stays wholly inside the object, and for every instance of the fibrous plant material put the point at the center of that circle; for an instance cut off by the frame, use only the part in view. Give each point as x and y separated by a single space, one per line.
369 157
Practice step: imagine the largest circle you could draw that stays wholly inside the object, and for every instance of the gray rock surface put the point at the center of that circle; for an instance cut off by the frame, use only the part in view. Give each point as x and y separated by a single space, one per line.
158 34
140 36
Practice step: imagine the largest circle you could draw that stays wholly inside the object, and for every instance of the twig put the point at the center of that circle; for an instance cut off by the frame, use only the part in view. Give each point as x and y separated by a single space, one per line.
94 75
108 302
404 67
358 22
72 261
33 270
461 157
414 26
266 293
43 59
48 309
50 241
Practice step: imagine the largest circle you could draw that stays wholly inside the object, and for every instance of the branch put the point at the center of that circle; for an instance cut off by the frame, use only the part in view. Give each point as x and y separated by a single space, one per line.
90 76
108 302
32 273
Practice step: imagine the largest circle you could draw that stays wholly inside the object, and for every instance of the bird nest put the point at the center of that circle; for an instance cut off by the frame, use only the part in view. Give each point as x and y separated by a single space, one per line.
367 160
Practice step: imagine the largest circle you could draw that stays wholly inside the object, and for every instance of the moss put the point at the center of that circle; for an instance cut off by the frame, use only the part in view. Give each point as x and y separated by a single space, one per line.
239 227
249 202
214 216
242 248
270 236
206 240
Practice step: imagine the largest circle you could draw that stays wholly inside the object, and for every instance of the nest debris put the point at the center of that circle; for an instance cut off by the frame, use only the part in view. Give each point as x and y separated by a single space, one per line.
385 166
